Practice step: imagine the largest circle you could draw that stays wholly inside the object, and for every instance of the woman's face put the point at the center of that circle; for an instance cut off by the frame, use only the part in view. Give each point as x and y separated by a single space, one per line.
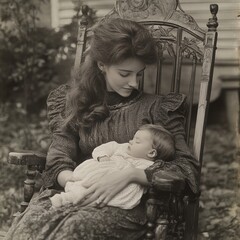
123 77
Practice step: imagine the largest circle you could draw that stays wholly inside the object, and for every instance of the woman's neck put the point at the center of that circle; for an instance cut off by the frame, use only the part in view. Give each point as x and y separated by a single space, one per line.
114 98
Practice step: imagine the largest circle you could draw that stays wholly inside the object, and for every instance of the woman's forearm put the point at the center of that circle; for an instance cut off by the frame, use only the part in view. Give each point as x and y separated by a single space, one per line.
64 176
138 176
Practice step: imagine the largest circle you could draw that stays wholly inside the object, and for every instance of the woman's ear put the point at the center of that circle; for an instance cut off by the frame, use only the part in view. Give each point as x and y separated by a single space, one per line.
101 66
152 153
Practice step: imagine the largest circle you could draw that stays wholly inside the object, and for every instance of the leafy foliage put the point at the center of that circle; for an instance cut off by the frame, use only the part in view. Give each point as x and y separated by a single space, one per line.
27 55
33 59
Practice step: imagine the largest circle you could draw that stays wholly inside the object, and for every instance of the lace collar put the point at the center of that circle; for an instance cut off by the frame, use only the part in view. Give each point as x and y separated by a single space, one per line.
116 101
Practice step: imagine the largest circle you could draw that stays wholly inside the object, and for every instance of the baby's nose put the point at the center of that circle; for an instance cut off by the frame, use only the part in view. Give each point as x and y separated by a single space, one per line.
130 142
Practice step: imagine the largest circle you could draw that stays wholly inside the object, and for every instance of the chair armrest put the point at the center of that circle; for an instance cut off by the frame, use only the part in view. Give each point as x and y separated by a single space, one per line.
164 204
27 158
35 163
168 182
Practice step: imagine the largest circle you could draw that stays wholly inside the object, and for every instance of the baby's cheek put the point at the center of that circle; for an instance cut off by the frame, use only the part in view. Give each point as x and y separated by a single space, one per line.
134 153
128 151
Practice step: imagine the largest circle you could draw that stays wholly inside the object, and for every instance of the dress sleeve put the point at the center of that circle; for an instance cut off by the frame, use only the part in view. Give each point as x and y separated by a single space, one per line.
170 112
64 150
105 149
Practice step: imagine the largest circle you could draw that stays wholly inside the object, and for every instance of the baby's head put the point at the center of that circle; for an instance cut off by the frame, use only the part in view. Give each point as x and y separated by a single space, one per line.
152 142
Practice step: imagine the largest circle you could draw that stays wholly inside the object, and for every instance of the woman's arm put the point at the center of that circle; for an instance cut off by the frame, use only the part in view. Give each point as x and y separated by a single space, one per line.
111 184
62 156
63 152
139 176
170 112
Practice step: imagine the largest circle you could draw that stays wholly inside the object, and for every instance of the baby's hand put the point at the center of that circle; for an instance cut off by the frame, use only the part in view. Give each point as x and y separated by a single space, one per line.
103 158
56 201
68 186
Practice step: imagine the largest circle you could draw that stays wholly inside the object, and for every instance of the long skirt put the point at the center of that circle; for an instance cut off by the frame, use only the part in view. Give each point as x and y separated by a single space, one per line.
41 221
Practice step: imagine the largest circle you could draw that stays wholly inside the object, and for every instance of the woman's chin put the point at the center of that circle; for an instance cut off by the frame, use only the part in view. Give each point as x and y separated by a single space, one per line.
125 93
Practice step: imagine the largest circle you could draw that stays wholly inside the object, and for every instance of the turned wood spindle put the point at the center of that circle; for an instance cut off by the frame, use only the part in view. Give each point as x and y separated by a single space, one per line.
29 184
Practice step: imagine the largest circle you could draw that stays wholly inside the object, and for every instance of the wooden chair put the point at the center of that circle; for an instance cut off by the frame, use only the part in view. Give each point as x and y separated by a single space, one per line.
185 51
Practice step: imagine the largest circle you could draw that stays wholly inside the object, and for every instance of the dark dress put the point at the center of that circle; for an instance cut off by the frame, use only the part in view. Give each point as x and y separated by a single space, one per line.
71 147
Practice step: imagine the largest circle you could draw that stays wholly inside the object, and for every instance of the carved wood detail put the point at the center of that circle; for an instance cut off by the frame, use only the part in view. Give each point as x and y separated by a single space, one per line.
157 215
35 162
155 10
29 184
167 39
206 82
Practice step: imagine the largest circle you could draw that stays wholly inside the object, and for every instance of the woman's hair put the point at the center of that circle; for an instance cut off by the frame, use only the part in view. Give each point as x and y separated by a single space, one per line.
163 141
112 42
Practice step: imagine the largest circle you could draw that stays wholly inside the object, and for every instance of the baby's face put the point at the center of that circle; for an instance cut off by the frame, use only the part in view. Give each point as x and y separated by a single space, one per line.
140 145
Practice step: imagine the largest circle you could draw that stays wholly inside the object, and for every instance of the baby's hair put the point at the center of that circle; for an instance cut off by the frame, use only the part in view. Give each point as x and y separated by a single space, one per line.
163 141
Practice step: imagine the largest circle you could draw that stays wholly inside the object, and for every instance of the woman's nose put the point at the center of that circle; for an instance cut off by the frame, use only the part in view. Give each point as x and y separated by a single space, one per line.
133 82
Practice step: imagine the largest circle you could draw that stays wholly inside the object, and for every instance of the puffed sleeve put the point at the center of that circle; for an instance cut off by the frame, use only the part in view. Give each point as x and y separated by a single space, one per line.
170 112
63 151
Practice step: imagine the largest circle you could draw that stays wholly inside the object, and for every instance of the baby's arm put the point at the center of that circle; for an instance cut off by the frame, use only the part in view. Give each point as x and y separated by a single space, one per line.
104 151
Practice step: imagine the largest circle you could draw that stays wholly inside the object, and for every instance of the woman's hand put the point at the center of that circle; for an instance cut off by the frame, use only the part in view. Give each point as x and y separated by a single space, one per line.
100 193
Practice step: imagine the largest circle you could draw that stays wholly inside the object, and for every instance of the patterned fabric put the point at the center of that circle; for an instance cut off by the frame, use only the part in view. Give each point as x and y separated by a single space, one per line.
70 222
71 147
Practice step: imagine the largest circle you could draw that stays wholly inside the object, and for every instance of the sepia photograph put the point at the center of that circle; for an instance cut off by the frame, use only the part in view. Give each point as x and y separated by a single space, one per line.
119 119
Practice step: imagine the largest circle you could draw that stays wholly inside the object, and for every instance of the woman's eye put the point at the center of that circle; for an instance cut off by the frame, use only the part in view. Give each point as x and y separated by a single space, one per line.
140 74
124 74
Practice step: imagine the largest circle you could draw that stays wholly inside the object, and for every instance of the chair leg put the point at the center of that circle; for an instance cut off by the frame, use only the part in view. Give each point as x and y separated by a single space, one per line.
191 227
152 213
157 215
157 223
161 229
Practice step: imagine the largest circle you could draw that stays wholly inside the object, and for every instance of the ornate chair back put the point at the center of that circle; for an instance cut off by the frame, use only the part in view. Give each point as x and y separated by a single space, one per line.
186 55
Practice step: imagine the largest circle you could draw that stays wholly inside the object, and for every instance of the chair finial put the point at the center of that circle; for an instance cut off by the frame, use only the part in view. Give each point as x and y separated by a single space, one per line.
212 22
85 11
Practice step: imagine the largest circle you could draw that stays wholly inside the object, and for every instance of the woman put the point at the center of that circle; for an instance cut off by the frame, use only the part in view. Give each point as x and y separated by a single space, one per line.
104 105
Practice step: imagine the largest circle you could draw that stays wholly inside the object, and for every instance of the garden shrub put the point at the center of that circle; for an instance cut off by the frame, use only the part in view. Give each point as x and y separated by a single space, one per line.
33 61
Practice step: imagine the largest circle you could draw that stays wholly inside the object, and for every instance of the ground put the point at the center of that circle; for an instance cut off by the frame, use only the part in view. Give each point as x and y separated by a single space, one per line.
219 217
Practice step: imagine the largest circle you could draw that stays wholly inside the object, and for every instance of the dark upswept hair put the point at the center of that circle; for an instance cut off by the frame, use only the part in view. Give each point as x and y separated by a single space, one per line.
163 141
112 42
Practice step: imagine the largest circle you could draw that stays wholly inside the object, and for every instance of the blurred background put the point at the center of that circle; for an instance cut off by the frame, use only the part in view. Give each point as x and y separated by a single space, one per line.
37 50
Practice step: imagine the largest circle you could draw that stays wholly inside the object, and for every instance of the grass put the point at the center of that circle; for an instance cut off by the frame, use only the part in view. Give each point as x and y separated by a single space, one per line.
16 134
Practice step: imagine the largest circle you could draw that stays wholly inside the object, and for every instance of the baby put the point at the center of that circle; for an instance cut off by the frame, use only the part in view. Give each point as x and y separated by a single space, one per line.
150 142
